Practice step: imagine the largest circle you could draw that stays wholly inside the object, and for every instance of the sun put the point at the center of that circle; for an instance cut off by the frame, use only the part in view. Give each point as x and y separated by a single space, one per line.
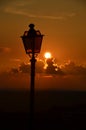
47 55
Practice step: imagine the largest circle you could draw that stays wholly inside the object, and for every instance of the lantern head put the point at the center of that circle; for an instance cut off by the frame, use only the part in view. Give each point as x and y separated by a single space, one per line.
32 40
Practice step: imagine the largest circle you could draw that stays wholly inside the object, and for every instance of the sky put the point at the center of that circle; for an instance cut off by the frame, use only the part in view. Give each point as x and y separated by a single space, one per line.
63 23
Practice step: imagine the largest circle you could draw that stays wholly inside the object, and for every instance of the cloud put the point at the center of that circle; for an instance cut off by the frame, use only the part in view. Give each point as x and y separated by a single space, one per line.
24 13
20 12
24 68
16 80
19 78
70 68
4 50
20 8
52 68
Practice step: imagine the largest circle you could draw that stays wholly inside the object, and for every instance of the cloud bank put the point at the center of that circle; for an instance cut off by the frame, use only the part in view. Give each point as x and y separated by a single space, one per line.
19 78
73 69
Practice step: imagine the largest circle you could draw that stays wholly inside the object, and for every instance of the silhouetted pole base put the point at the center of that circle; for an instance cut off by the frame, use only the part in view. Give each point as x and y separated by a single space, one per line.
33 60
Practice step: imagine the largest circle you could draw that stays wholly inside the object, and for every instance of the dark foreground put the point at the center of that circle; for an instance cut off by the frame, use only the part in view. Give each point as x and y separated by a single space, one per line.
55 110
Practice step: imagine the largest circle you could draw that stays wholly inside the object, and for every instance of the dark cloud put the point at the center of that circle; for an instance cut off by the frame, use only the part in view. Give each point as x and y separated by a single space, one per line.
24 68
14 71
72 68
52 68
69 68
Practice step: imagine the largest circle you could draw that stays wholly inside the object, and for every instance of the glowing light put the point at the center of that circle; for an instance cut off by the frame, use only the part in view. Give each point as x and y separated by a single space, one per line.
47 55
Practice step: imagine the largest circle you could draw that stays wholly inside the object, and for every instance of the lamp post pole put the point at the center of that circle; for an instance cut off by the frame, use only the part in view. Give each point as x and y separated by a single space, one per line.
32 90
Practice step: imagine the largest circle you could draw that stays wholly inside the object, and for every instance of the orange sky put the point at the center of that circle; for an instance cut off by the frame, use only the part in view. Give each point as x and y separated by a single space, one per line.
62 22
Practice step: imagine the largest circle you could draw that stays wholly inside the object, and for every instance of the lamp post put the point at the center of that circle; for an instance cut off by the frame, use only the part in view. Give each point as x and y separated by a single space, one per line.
32 41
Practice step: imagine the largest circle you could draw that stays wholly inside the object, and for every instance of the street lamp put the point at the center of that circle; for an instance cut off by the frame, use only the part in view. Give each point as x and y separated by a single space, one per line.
32 41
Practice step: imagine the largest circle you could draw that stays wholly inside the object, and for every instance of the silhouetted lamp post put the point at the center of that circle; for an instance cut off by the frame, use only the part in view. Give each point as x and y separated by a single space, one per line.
32 41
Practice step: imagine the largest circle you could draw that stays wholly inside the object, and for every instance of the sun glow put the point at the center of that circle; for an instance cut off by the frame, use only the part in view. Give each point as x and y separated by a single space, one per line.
47 55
